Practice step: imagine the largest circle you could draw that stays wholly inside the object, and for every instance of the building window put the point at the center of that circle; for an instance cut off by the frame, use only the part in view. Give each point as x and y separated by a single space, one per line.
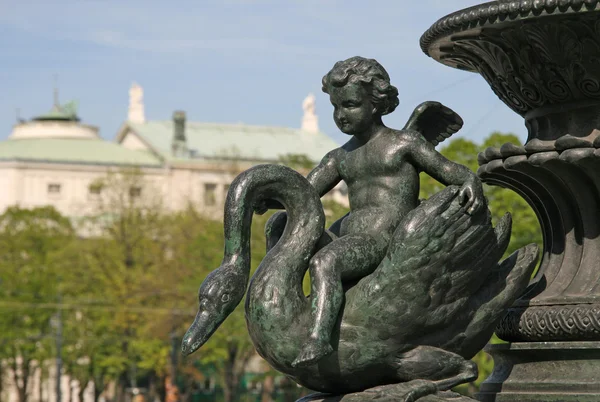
135 192
95 189
54 189
210 196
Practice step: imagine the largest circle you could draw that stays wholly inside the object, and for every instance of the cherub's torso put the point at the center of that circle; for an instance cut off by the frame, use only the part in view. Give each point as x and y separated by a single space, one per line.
382 183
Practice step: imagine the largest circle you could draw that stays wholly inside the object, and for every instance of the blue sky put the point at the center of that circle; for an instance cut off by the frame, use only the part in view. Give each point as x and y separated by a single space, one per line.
249 61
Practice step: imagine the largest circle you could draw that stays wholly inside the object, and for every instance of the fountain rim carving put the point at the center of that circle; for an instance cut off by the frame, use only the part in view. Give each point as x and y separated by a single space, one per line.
499 12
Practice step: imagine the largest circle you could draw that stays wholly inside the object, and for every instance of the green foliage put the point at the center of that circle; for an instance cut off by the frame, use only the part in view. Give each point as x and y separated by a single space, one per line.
124 279
201 250
298 162
30 244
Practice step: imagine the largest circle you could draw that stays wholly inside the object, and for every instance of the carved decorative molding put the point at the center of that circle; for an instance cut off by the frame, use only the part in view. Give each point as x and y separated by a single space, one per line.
551 323
566 148
497 12
560 181
529 64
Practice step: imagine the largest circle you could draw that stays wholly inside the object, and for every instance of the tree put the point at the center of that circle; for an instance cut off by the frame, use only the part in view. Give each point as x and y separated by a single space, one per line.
230 348
299 162
30 246
122 280
144 265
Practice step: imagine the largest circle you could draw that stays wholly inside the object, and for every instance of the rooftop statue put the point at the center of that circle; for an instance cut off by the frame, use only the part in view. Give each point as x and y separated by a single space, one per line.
403 292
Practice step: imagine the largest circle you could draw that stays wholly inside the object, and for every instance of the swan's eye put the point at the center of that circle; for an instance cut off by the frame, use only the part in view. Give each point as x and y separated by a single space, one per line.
225 298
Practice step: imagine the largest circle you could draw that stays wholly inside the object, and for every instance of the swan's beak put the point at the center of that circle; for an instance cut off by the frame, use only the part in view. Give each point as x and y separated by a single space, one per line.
204 325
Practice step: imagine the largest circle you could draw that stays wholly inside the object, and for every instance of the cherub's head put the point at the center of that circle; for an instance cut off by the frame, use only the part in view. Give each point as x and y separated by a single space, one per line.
360 92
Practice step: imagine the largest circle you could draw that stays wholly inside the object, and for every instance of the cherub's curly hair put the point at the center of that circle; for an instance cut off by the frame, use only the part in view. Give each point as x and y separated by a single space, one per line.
369 72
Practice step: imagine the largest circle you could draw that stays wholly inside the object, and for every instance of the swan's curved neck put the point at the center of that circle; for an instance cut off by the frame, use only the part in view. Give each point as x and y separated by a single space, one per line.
287 260
305 225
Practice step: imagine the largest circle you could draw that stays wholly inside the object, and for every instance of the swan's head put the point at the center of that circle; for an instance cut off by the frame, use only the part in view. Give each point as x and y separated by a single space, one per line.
219 294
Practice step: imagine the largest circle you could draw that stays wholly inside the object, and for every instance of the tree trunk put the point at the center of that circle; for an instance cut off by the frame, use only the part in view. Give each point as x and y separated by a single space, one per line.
171 390
152 394
2 372
81 393
98 383
98 389
234 368
70 391
290 391
231 382
101 390
40 382
227 396
21 374
268 389
121 385
22 394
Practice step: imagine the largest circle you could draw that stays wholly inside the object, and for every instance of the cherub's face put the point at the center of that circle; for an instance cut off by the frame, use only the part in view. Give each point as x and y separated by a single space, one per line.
353 110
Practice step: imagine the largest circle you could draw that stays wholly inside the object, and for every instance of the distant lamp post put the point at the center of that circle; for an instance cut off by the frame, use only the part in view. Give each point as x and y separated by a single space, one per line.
56 323
172 391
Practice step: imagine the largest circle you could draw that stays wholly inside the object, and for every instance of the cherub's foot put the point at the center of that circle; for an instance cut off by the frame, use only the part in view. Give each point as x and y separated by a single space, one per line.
312 351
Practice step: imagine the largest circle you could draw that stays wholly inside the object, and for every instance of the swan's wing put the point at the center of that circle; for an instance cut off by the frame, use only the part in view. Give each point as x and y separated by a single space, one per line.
438 258
434 121
503 286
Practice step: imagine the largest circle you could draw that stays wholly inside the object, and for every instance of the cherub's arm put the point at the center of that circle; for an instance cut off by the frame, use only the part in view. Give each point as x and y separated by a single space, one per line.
424 156
325 176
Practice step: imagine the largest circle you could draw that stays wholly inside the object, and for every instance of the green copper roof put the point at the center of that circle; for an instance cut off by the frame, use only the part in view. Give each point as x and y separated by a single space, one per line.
67 112
209 140
80 151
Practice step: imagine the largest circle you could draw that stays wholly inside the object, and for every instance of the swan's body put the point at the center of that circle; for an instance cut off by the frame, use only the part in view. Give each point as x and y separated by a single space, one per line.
432 303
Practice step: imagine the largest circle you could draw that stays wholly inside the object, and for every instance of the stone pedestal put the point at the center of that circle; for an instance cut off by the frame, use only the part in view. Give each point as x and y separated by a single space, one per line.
544 371
542 59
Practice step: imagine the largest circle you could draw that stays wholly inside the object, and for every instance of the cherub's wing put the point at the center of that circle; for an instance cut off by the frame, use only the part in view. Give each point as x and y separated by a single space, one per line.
434 121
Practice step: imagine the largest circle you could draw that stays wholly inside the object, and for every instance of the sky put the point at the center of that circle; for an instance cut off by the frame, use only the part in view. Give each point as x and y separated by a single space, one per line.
226 61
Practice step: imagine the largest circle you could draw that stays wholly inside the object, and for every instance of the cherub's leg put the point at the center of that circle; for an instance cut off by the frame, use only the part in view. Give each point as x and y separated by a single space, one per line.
274 228
276 224
347 258
336 227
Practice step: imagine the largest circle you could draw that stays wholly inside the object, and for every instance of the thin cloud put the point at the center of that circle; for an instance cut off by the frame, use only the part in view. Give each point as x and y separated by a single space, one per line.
233 25
248 48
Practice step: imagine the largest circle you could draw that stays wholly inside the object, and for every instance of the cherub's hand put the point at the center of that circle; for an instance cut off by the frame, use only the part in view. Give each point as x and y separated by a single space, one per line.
260 207
471 195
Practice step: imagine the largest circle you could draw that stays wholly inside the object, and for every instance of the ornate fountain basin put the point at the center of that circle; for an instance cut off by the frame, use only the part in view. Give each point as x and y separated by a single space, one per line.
542 59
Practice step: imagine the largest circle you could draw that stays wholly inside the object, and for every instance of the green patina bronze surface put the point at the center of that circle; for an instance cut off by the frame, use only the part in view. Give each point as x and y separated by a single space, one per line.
403 292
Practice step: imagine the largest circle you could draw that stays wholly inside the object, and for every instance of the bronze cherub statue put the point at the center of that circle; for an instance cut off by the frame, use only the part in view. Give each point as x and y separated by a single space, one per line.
402 291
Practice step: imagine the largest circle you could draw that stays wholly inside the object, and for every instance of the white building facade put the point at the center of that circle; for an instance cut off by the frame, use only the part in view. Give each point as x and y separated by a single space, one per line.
54 159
